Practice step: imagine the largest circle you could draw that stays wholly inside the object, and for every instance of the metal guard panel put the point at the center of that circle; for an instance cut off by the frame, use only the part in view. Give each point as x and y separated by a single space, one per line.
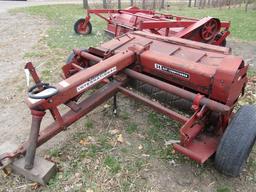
229 80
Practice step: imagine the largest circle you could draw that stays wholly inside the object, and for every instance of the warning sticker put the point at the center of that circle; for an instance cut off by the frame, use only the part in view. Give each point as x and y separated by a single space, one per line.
172 71
95 79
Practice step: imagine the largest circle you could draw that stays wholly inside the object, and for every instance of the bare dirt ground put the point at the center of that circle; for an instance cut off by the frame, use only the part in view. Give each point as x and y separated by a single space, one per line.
5 5
16 40
244 49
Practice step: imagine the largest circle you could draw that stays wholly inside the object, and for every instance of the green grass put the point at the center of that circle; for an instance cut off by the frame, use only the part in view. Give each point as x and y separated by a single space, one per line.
54 152
131 128
64 17
251 72
113 164
124 115
223 189
88 124
159 125
160 129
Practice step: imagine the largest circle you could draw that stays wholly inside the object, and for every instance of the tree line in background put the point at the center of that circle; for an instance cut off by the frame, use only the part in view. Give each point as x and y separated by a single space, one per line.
145 4
220 3
161 4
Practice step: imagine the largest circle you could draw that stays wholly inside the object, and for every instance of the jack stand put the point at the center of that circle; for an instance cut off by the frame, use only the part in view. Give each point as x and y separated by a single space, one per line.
114 105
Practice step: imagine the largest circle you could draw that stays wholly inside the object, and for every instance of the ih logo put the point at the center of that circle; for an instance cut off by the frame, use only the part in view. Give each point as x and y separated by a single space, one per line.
172 71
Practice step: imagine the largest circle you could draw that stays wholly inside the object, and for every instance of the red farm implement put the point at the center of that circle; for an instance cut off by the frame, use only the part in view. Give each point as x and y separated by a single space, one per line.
206 75
207 30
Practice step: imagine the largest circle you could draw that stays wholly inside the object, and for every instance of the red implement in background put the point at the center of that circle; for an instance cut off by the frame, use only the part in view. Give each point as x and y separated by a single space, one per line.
207 30
206 75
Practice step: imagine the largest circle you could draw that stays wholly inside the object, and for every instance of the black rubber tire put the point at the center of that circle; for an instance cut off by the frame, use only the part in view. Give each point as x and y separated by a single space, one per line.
70 57
237 142
78 31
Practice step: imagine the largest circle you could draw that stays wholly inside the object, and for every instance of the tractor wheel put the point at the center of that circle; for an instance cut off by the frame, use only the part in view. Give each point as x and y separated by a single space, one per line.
81 29
237 142
81 62
70 57
209 29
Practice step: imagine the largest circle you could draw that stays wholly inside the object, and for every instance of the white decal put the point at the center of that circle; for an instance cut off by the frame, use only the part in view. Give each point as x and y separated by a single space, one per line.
173 71
64 83
33 101
27 76
95 79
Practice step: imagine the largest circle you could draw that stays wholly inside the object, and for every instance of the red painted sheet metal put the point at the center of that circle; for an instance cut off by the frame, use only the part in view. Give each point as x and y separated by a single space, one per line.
178 70
210 69
196 25
200 149
164 44
229 80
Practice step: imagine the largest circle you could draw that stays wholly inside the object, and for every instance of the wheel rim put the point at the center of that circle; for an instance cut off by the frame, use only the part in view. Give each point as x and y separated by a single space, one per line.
209 30
82 29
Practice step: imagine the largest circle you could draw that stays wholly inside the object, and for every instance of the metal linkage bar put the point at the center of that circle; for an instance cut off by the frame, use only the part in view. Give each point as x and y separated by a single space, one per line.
87 55
155 105
211 104
164 24
185 42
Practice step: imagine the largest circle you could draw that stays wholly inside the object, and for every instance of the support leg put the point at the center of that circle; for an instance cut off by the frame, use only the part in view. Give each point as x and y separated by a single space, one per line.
114 105
32 142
